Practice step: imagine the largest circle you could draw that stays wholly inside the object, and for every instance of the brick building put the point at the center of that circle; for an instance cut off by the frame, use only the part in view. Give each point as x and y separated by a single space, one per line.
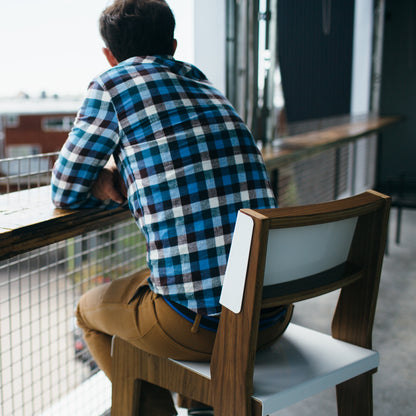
30 127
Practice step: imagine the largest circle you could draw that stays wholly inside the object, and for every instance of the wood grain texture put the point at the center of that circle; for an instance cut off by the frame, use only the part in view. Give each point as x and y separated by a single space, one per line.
29 220
355 396
130 365
354 316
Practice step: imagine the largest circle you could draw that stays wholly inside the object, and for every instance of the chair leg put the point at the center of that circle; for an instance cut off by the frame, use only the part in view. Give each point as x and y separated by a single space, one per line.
126 397
398 225
126 387
355 396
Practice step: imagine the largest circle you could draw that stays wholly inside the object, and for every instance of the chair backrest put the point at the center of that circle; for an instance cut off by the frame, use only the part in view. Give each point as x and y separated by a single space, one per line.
280 256
296 257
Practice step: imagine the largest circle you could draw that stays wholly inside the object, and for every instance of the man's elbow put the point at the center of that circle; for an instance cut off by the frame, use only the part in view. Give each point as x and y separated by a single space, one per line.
65 199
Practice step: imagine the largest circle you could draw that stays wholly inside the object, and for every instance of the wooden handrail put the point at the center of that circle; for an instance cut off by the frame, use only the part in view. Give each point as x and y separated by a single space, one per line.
28 219
302 145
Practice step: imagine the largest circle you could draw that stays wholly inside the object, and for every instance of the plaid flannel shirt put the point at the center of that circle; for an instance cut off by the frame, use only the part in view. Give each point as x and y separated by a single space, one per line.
189 164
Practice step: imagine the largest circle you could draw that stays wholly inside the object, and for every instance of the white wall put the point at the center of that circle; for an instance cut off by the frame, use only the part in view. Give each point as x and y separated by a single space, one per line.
362 178
210 40
184 32
200 31
362 57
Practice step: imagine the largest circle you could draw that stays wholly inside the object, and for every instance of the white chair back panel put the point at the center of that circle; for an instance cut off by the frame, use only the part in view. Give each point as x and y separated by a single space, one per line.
294 253
236 271
301 364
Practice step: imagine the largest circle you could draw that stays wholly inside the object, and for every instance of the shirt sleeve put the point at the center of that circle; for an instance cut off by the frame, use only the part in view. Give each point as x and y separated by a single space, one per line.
90 143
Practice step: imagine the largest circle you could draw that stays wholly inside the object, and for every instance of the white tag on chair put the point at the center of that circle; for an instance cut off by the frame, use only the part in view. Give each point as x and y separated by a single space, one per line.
236 271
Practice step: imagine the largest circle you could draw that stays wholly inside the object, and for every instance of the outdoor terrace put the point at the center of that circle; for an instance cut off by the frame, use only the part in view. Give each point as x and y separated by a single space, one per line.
49 257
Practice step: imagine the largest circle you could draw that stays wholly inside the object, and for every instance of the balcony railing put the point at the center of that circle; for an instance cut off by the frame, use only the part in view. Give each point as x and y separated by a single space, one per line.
25 172
49 257
42 354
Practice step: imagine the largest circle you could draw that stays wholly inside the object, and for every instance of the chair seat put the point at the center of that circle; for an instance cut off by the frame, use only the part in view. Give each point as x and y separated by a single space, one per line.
303 362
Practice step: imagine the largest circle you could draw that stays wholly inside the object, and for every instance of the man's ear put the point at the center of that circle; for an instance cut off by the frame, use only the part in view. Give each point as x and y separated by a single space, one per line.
175 45
110 57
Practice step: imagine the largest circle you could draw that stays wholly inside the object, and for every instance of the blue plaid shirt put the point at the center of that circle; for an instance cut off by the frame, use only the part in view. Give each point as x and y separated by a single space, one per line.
189 164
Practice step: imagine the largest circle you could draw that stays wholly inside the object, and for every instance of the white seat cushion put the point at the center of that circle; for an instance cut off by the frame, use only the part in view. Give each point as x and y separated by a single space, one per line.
300 364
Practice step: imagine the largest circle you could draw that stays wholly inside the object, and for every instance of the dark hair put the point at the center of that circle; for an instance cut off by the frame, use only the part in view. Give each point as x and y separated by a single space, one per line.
137 28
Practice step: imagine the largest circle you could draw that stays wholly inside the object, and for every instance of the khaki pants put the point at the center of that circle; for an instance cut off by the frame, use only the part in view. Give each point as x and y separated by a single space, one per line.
129 309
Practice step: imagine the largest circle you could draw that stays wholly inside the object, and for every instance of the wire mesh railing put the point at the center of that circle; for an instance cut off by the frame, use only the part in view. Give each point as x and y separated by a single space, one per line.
25 172
42 354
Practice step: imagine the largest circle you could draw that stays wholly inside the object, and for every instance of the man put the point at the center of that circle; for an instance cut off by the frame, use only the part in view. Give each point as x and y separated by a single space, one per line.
155 131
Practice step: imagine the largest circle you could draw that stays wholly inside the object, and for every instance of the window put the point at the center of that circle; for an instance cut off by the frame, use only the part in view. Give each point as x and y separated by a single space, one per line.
20 150
57 123
12 120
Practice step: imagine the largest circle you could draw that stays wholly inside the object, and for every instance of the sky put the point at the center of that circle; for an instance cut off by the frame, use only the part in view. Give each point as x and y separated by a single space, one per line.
54 45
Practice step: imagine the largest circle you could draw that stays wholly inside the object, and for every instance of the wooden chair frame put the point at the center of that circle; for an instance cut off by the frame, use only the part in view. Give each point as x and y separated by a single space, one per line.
230 387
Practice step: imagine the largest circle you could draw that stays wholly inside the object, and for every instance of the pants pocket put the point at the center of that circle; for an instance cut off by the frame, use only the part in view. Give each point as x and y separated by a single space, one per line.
157 342
124 289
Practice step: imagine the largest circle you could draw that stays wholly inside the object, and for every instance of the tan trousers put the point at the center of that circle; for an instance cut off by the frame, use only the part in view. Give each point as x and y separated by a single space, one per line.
145 320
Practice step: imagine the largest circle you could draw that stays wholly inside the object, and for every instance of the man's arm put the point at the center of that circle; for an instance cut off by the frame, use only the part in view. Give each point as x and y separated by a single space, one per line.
110 184
79 178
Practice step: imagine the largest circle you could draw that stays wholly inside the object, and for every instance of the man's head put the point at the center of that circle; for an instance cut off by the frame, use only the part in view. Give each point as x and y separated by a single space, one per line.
137 28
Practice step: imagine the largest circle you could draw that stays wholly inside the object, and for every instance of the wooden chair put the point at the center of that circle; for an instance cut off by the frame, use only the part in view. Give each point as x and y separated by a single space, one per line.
280 256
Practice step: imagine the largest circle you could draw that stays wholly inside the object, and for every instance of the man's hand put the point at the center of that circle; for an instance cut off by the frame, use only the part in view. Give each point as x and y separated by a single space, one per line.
110 184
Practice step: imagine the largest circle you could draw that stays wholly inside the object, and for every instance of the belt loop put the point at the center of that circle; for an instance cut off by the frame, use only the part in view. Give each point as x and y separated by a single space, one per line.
195 326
